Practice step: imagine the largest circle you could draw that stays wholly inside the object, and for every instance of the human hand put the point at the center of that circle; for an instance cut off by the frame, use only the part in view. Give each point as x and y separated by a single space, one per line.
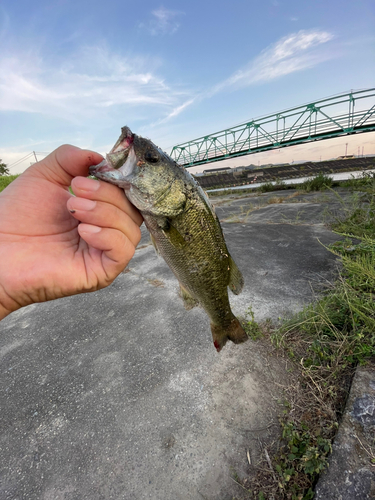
45 253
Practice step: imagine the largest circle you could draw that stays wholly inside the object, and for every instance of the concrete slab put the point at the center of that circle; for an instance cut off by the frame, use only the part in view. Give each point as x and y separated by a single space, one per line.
120 394
351 472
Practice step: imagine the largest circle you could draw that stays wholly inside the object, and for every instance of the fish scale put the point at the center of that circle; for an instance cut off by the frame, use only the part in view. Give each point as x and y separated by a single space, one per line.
203 281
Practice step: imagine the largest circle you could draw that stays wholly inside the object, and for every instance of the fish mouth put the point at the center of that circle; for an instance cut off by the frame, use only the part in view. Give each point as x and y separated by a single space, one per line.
120 162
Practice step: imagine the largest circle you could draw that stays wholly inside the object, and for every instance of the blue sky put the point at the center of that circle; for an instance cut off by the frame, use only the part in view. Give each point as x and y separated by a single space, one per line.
74 71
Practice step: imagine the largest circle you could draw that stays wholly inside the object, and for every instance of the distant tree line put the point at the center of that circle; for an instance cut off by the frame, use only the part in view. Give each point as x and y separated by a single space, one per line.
4 170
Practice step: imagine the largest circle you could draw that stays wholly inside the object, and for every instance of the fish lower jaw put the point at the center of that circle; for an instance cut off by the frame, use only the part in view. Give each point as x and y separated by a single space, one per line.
100 168
105 172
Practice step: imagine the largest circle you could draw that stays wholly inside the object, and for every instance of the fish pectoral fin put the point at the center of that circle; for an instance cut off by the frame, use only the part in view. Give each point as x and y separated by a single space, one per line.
233 332
189 301
236 281
174 236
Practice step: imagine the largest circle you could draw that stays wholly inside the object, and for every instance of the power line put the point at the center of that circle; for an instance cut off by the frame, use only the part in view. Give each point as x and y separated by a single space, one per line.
20 160
33 153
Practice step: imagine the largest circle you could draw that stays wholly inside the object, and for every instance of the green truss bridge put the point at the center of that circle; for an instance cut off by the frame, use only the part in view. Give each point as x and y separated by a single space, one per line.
344 114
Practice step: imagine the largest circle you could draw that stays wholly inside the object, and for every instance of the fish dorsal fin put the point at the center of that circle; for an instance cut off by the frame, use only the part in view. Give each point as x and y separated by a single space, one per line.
236 281
189 301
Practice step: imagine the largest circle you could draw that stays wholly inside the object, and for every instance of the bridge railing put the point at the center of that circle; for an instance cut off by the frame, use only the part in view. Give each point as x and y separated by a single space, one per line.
314 121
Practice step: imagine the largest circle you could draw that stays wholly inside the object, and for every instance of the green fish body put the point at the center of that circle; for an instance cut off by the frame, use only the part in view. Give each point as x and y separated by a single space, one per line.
183 226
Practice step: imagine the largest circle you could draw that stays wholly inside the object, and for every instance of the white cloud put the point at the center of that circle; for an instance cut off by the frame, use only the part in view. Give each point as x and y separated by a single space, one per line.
95 83
163 22
92 80
175 112
292 53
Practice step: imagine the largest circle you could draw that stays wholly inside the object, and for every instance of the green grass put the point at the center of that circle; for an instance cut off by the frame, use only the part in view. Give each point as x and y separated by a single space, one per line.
366 182
270 186
5 180
357 216
325 342
319 182
252 328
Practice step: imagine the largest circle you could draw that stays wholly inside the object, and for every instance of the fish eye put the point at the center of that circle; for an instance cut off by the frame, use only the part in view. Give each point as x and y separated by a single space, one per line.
152 156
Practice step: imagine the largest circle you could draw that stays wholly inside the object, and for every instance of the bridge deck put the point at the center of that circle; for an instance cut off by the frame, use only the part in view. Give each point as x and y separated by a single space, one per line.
344 114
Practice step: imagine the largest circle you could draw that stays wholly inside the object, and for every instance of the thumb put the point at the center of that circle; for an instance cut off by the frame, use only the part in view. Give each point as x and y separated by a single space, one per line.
65 163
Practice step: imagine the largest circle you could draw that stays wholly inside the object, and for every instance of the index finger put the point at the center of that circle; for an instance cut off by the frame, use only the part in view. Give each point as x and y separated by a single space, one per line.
97 190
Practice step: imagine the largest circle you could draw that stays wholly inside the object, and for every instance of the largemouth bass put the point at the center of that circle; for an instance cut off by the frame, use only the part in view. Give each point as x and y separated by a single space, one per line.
183 226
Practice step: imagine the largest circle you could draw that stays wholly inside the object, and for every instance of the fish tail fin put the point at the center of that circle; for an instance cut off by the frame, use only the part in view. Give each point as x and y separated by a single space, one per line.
233 332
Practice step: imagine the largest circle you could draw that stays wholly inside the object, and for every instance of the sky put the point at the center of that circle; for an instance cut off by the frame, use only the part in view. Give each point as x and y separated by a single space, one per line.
74 71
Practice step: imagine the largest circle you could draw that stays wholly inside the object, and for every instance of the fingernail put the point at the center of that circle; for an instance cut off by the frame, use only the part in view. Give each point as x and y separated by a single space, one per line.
88 228
86 184
82 204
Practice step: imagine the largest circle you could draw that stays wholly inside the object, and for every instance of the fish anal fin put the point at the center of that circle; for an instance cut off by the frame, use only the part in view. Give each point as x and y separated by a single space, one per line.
189 301
236 281
233 332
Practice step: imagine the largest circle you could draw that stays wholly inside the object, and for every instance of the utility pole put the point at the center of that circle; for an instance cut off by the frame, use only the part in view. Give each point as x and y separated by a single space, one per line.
346 149
36 159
